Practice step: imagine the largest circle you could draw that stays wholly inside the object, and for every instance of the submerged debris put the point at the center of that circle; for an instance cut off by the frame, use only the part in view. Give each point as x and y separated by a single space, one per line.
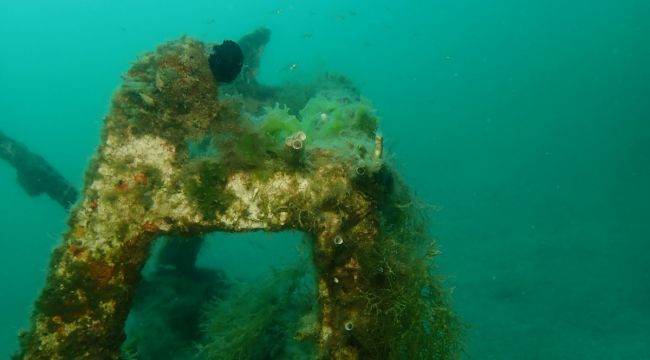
36 175
377 295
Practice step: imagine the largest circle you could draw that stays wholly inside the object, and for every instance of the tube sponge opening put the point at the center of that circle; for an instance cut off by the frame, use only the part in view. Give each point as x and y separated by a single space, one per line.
226 61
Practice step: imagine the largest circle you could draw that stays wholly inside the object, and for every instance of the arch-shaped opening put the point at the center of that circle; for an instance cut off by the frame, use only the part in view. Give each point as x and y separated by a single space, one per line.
224 294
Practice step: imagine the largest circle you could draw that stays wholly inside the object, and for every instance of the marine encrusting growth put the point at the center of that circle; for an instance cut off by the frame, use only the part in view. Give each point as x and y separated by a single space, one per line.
176 158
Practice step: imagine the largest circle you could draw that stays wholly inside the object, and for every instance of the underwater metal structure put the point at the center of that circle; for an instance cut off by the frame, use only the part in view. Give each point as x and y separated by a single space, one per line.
34 174
176 157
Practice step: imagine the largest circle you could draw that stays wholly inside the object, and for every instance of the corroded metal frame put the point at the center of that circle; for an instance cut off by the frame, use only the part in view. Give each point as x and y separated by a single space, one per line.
135 190
377 295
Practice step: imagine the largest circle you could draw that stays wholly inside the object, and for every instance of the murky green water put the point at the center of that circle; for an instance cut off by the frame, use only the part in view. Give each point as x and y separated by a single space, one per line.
526 125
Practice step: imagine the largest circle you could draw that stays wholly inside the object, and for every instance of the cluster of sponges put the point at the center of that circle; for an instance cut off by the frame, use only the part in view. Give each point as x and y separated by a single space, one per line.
338 122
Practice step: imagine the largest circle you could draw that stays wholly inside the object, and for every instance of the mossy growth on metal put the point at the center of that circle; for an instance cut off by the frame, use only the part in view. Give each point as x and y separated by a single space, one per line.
179 157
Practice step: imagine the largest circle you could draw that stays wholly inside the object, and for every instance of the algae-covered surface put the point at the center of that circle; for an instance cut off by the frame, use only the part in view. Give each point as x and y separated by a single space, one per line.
381 181
182 154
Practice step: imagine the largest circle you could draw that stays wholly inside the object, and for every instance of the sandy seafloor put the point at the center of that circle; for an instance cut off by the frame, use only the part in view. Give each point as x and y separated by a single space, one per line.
526 124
